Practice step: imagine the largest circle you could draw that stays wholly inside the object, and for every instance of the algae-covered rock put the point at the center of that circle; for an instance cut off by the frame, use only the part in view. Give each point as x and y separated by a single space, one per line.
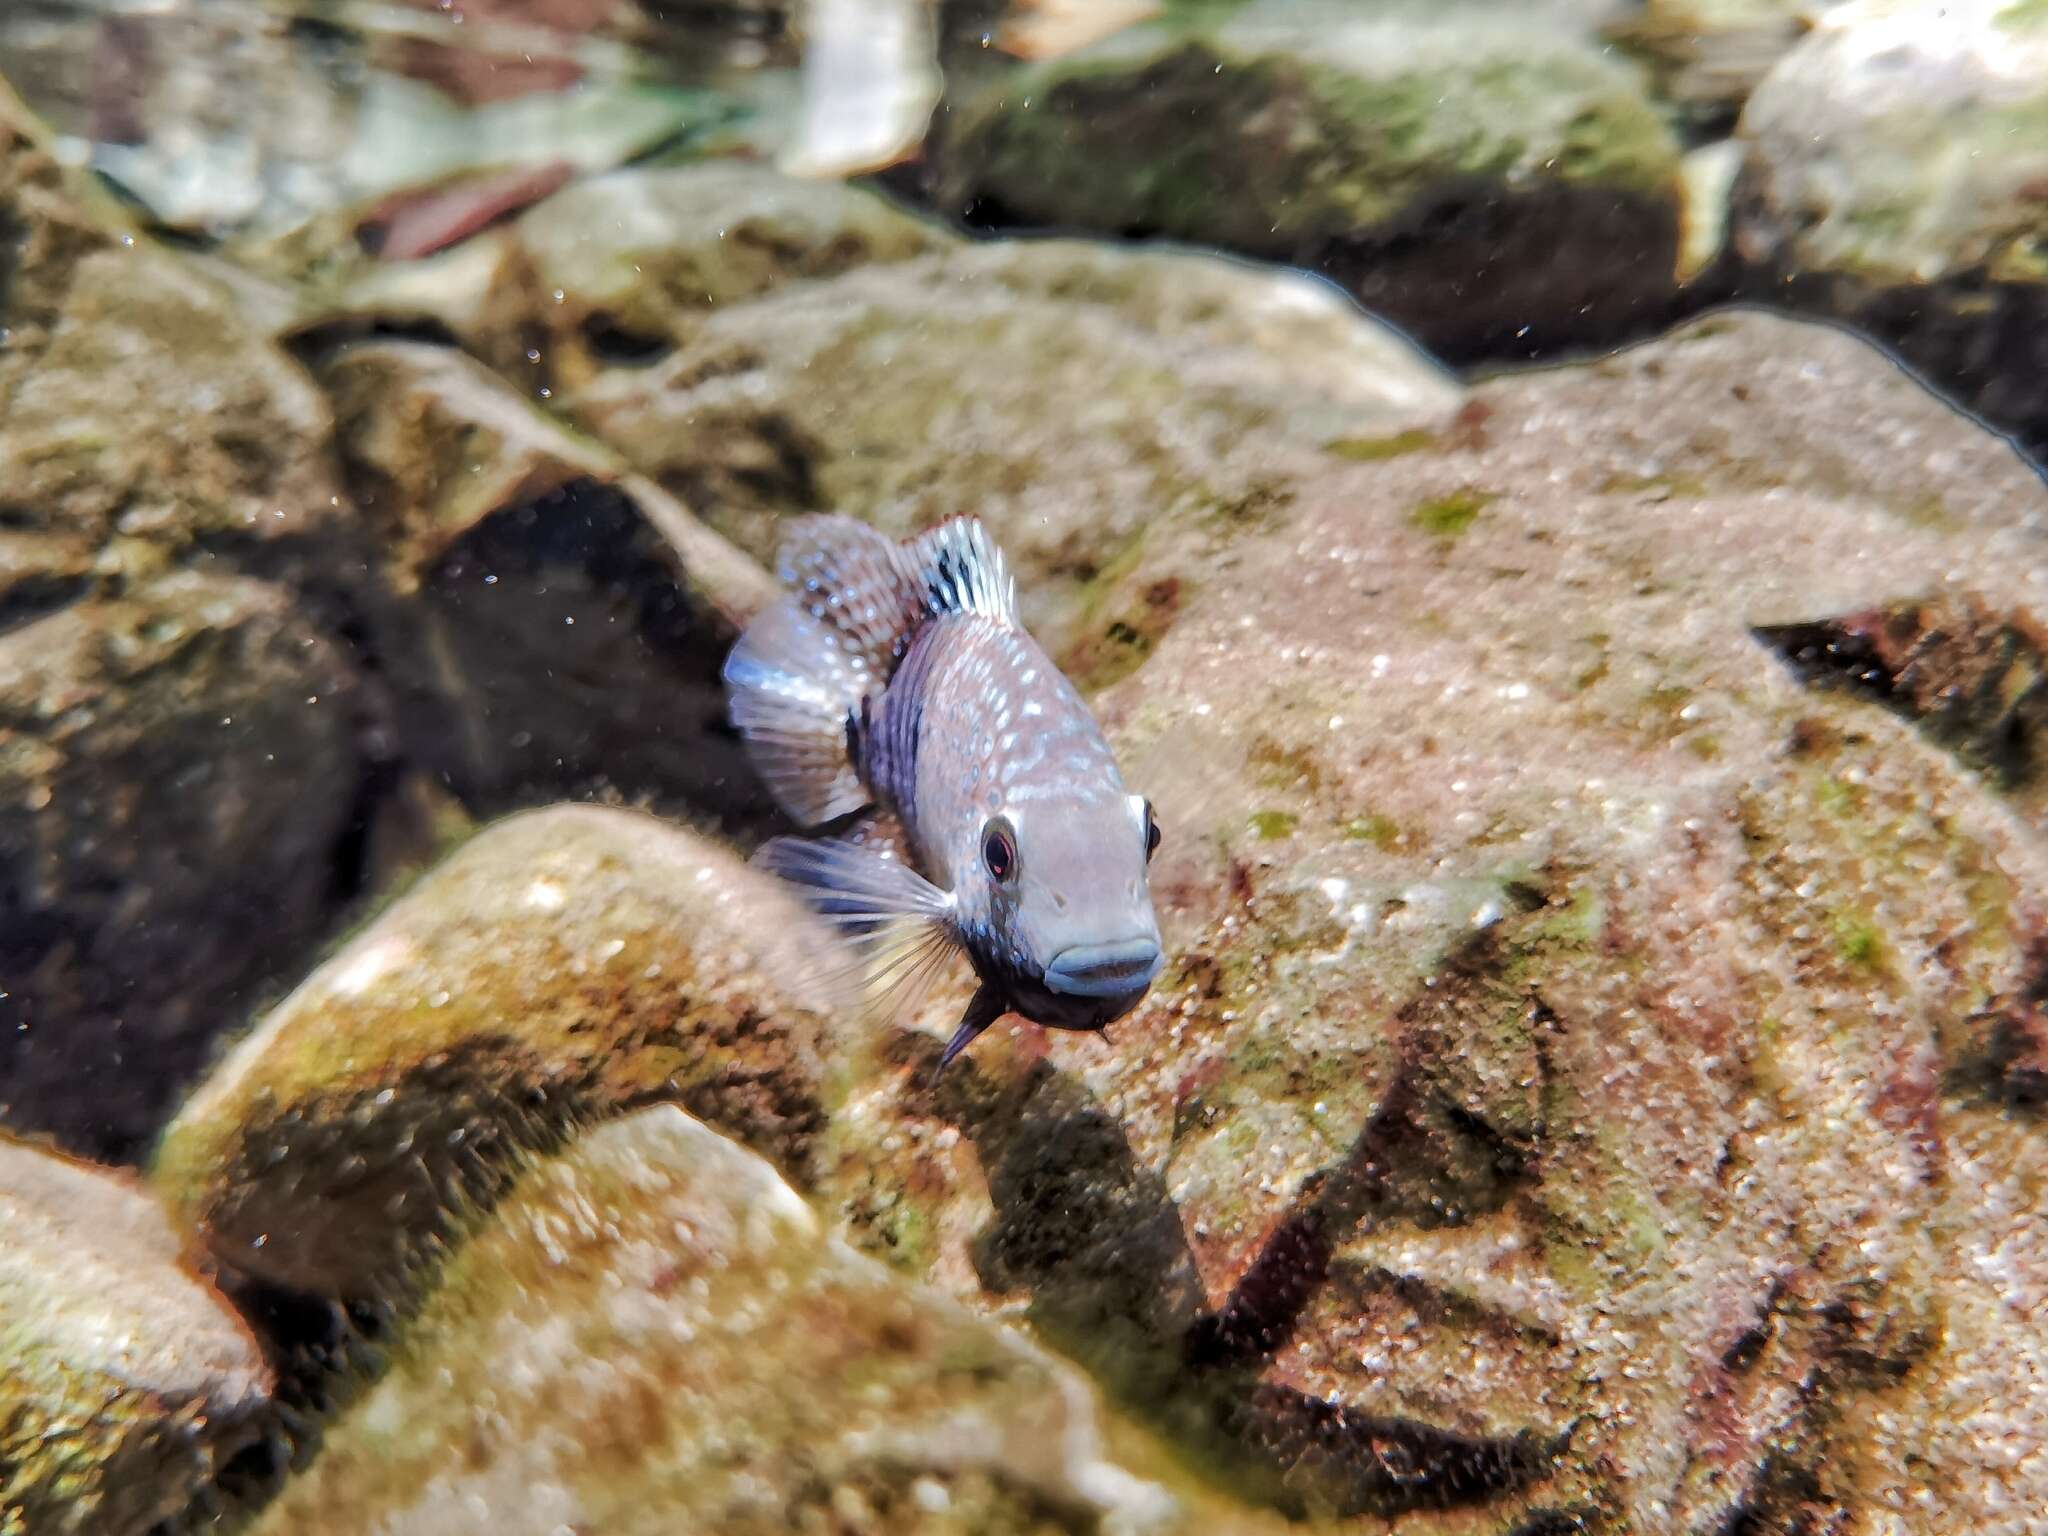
124 1380
179 766
563 619
1490 178
1545 1117
1895 160
563 964
1077 399
652 1333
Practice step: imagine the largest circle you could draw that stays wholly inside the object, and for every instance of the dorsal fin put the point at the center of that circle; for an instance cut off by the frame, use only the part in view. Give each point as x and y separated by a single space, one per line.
856 600
956 568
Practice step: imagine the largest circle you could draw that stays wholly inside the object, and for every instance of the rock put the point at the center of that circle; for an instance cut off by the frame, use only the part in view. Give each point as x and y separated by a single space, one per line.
564 964
620 270
564 620
1708 55
140 417
125 1382
184 748
180 767
1082 401
1893 180
1590 1050
652 1332
1496 184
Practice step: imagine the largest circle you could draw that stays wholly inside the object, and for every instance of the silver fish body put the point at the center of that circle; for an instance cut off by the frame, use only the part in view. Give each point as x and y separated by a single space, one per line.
895 680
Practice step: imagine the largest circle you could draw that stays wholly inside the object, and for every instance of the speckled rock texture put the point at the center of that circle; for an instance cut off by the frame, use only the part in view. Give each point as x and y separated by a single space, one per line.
1490 178
1592 1080
1893 175
564 964
124 1380
653 1333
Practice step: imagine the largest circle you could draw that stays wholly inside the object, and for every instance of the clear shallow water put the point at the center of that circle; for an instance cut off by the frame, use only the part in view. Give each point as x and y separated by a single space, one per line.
1603 804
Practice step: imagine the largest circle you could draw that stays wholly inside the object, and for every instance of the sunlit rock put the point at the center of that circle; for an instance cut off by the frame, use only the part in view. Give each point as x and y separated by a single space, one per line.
563 965
125 1382
1548 1107
1493 180
651 1332
1895 160
1080 400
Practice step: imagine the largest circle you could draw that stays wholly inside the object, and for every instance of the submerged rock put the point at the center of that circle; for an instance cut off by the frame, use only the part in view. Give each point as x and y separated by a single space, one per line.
183 748
620 270
651 1332
1494 182
564 964
563 620
1709 55
1548 1108
125 1382
1075 398
180 768
1893 179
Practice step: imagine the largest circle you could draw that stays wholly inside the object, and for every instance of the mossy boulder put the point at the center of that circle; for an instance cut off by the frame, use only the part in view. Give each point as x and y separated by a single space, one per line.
1893 168
1491 180
562 965
1082 401
652 1332
125 1381
563 619
1546 1114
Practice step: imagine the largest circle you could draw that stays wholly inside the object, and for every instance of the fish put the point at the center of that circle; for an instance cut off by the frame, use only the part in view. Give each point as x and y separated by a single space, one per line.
957 795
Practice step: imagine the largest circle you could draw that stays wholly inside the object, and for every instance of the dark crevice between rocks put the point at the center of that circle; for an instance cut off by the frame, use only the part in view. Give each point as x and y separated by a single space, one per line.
37 597
564 658
1975 680
611 341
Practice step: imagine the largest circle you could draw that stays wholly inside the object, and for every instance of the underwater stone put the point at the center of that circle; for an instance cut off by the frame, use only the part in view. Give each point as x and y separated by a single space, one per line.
1102 411
125 1381
563 619
651 1332
563 965
1894 166
1494 181
1582 1144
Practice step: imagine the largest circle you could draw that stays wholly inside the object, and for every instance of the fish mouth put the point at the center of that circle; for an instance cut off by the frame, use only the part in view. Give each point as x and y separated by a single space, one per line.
1104 970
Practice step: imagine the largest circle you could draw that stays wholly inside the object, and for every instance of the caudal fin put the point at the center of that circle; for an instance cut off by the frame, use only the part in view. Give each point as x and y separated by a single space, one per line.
856 599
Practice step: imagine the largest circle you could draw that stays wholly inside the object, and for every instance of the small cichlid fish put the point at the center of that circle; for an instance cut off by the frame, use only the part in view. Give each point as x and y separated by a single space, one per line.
894 686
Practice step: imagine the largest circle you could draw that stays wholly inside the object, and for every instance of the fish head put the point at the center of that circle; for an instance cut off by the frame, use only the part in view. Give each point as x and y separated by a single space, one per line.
1060 906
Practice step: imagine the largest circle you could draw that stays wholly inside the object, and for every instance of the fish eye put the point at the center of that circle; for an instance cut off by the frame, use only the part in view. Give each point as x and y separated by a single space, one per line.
1151 832
999 850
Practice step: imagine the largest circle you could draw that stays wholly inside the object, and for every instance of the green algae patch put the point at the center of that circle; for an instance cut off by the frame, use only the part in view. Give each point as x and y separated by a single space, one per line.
1449 516
1383 832
653 1327
1272 825
562 965
1859 941
1375 450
